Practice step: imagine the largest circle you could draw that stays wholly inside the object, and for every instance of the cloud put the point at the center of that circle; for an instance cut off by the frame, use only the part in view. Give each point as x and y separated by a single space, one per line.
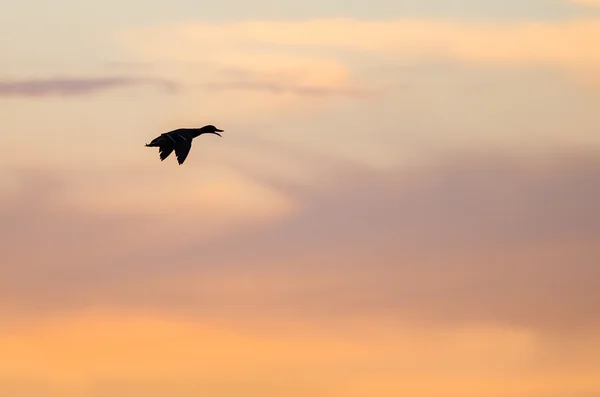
161 357
469 240
106 353
472 240
467 271
84 225
227 62
279 88
566 44
75 86
314 81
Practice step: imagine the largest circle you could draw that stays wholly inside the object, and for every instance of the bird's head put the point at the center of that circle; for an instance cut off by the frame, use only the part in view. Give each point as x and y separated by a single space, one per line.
211 129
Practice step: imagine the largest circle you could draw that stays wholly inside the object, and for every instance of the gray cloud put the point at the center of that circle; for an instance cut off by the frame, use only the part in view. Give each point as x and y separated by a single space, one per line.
76 86
85 86
470 239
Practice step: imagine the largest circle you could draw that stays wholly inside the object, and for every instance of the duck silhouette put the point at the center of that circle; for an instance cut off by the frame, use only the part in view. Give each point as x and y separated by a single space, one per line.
180 141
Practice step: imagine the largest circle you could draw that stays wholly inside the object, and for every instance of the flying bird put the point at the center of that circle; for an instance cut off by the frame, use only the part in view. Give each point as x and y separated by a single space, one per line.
180 141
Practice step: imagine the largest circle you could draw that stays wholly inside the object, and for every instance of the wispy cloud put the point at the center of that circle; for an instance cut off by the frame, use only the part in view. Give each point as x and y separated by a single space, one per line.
76 86
567 44
283 88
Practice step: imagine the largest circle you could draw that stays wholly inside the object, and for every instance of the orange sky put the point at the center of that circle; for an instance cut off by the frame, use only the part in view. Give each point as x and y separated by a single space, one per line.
404 201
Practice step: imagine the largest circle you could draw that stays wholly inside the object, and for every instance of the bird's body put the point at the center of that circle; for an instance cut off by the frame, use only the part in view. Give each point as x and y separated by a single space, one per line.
180 141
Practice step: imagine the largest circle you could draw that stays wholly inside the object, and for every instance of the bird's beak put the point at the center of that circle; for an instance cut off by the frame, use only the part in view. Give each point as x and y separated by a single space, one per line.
218 130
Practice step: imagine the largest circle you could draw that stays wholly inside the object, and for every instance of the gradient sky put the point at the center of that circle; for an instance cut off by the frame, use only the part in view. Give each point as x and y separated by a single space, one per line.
405 202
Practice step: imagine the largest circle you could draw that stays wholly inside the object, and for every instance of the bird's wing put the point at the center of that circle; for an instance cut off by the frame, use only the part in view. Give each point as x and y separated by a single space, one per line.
165 150
182 148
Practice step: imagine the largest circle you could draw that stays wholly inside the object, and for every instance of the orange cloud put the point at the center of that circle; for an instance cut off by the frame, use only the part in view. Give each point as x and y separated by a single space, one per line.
216 194
227 53
102 220
568 44
105 353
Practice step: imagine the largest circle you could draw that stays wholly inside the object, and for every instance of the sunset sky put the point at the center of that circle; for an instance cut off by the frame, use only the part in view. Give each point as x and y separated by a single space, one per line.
405 201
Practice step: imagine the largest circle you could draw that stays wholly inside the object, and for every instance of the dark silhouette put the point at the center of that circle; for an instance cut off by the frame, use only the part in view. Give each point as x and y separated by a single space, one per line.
180 141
